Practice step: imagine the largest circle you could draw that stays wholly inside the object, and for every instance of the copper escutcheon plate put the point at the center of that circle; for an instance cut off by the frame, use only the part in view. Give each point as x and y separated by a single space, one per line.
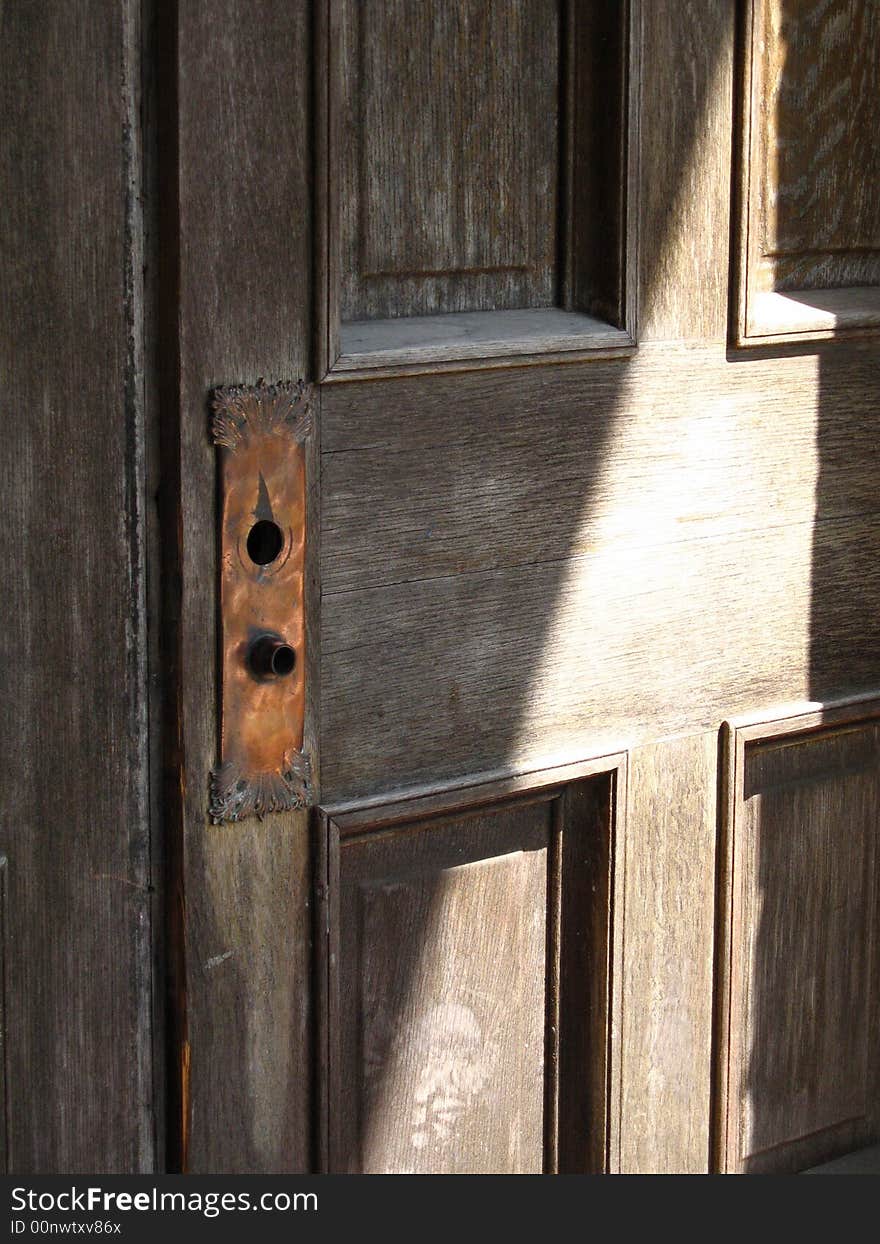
260 431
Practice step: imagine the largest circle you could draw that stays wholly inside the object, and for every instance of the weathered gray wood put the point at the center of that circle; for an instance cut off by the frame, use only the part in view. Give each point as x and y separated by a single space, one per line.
472 335
244 294
471 160
75 826
590 820
505 583
520 566
808 166
819 214
862 1162
684 178
578 658
447 156
799 1073
667 959
5 1138
601 81
468 980
363 814
670 445
442 939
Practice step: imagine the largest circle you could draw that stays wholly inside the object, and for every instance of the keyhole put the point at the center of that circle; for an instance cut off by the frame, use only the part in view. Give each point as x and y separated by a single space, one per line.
265 541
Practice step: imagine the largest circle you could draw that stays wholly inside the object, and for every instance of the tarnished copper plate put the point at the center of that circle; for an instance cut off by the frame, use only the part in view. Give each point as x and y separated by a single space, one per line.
260 432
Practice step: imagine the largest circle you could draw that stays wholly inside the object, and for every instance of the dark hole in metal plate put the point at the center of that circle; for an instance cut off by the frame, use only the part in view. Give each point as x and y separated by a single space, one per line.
261 432
265 541
271 657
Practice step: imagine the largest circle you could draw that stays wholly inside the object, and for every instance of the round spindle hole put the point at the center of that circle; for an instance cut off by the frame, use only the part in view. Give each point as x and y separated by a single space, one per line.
270 657
283 660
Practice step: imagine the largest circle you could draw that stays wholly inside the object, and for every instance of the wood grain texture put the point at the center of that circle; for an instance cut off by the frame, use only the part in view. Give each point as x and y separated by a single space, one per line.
76 831
542 664
448 156
807 164
520 566
424 341
655 450
442 943
242 312
468 972
502 587
667 967
684 180
820 112
483 165
799 1070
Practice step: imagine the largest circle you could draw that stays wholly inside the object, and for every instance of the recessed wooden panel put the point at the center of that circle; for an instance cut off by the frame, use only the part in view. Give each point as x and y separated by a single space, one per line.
468 986
443 967
449 161
811 215
474 162
799 1039
820 211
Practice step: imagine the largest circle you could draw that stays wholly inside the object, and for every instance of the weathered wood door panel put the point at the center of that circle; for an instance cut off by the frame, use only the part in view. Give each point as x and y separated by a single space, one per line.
810 240
798 1045
595 361
588 295
468 1017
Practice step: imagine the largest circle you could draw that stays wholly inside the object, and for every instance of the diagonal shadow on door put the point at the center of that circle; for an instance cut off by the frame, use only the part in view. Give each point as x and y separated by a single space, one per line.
522 528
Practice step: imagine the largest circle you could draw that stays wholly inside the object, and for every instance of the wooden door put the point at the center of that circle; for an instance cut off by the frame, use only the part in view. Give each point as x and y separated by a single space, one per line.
588 293
80 1040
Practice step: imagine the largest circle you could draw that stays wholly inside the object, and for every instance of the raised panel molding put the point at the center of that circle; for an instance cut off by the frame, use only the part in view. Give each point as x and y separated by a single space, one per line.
797 1053
465 966
809 164
429 222
476 179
